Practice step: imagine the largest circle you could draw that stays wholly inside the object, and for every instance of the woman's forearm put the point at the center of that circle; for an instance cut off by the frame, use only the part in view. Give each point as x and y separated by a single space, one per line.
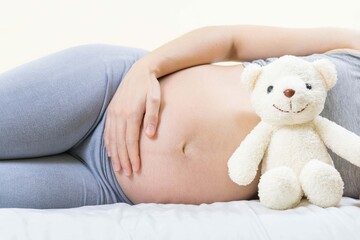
244 43
199 46
255 42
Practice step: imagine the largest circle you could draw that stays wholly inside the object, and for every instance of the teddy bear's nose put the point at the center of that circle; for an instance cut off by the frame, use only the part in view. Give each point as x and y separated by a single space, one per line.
289 93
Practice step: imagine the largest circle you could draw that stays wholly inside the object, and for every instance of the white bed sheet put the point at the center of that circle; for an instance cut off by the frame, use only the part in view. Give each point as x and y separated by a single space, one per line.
232 220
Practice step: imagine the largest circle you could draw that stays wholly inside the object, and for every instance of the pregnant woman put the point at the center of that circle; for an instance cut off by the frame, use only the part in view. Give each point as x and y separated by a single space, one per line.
100 124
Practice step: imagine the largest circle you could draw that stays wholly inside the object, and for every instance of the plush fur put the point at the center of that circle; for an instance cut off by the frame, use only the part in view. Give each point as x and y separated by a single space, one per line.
291 140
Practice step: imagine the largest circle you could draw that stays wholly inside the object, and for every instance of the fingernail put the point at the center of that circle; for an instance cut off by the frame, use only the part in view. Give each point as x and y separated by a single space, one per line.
116 167
136 167
108 154
150 129
127 172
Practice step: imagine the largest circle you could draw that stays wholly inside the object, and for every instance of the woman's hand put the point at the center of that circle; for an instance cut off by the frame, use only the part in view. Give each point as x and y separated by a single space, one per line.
138 94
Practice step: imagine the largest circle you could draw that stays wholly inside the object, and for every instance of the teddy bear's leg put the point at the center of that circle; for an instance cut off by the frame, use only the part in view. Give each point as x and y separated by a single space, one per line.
321 183
279 188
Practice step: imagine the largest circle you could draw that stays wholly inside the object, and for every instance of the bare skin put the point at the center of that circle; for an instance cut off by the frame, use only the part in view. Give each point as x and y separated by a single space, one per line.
197 113
205 114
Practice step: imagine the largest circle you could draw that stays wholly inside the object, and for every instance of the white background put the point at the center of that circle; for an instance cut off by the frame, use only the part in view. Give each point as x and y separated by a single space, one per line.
32 28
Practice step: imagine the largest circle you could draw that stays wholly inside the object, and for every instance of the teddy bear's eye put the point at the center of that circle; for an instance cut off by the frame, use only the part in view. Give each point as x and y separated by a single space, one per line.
308 86
269 89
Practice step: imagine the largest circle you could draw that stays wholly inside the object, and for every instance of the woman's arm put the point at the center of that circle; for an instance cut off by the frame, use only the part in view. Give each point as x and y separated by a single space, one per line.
245 43
204 45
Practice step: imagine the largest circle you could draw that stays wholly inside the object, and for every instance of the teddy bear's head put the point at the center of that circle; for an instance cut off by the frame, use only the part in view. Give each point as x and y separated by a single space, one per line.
289 90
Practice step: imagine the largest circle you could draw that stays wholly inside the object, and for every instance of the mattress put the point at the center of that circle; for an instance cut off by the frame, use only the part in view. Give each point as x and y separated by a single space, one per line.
230 220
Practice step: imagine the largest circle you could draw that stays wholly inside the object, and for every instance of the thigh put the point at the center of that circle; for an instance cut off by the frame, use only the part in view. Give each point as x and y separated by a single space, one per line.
91 148
93 154
58 181
51 104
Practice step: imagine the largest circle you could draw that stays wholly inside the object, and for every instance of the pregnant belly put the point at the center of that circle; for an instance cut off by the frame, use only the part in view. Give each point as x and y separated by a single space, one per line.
204 115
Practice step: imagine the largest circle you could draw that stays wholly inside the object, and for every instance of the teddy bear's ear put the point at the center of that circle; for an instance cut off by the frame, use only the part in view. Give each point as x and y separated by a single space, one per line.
250 74
327 70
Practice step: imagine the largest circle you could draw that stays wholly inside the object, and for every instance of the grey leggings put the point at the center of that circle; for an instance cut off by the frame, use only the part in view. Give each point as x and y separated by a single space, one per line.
52 116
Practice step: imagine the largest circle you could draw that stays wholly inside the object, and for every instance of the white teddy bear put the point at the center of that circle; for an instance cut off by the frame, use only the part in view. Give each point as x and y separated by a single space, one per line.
291 139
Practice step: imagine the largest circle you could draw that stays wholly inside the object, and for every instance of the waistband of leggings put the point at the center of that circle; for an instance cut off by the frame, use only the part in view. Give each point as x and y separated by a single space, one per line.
119 192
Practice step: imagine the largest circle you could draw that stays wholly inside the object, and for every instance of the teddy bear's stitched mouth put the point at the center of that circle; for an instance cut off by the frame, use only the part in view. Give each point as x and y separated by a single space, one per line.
290 108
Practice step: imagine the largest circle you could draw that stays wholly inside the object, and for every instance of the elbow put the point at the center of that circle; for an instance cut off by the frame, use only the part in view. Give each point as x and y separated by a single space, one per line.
231 52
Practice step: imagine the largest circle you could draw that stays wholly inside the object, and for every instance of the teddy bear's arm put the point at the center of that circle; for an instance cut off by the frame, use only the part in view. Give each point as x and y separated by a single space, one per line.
244 162
341 141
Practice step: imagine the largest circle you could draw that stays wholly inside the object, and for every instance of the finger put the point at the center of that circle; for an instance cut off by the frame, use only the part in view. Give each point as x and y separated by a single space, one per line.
132 141
113 150
152 108
121 148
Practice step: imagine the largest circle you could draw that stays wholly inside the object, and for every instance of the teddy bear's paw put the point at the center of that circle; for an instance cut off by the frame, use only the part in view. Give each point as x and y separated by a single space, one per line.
242 175
279 188
322 183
